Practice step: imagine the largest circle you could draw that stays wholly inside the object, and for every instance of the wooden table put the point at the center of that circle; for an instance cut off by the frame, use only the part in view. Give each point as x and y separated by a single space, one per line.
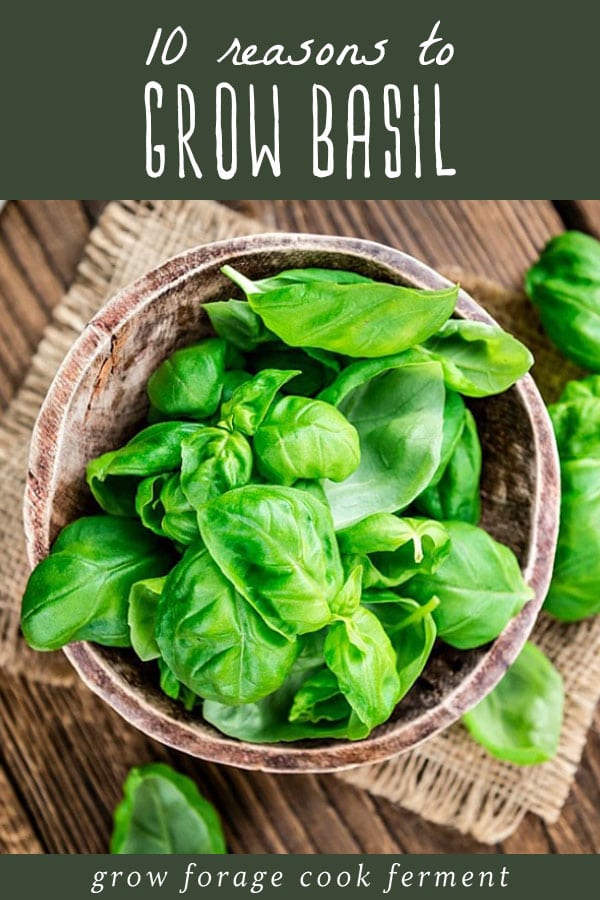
64 753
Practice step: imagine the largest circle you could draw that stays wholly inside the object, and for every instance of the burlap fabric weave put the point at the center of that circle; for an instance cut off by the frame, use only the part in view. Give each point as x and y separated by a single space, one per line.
449 779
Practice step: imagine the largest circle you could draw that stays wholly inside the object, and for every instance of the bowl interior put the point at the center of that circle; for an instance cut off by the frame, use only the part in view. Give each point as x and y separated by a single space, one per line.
99 400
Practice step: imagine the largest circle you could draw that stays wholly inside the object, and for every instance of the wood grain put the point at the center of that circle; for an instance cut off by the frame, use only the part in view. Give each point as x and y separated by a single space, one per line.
63 753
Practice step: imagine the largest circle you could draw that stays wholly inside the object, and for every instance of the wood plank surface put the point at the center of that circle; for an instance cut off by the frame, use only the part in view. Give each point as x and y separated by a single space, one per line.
63 753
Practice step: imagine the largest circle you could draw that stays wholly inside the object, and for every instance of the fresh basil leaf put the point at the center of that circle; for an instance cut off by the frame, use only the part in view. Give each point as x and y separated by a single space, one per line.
250 402
320 699
573 593
581 389
173 688
232 379
479 585
411 630
213 460
237 323
520 719
164 812
564 284
277 546
148 504
478 359
188 383
294 276
360 655
457 494
114 477
80 591
576 426
399 418
346 602
358 320
213 641
141 616
180 521
316 368
303 438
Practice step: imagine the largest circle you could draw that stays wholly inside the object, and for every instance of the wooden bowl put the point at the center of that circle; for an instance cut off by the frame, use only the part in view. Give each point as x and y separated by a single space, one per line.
98 399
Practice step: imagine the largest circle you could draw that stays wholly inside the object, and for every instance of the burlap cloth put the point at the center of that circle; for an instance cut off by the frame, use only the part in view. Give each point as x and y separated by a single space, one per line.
449 779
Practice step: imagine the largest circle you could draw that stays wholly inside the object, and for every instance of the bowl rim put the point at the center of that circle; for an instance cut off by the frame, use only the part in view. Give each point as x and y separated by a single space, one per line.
179 733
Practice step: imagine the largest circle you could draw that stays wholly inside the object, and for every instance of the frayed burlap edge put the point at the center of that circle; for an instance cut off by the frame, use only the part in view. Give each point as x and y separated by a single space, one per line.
449 779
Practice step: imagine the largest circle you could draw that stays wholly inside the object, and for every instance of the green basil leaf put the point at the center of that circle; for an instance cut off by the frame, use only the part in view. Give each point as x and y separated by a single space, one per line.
164 812
397 548
237 323
320 699
213 460
576 425
188 383
113 478
457 494
213 641
360 655
573 593
564 284
141 616
294 276
80 591
316 368
399 417
278 547
411 630
232 379
478 359
173 688
358 320
479 585
303 438
250 402
520 720
180 521
346 602
148 504
581 389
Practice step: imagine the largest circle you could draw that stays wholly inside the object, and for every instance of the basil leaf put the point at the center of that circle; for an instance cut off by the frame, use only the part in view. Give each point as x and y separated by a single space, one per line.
213 640
250 402
302 438
360 655
397 548
520 720
479 585
114 477
564 284
277 546
179 522
398 416
457 494
164 812
188 383
294 276
573 593
141 616
173 688
148 504
232 379
320 699
478 359
316 368
411 630
237 323
80 591
213 460
367 319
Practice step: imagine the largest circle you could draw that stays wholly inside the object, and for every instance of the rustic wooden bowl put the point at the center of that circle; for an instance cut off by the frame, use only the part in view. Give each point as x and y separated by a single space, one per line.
98 399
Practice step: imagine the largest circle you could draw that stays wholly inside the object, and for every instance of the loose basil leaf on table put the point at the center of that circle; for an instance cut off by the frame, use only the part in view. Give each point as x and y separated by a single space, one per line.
250 402
189 382
479 585
520 719
398 415
80 591
304 438
478 359
164 812
180 521
114 477
397 548
564 284
356 319
141 617
213 640
360 655
277 546
213 460
573 592
411 629
457 493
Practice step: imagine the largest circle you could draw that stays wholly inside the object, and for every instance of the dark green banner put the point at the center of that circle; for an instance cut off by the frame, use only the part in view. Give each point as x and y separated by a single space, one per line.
314 99
227 877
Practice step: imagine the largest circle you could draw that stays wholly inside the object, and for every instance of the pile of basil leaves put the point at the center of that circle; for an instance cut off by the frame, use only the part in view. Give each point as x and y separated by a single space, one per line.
298 523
